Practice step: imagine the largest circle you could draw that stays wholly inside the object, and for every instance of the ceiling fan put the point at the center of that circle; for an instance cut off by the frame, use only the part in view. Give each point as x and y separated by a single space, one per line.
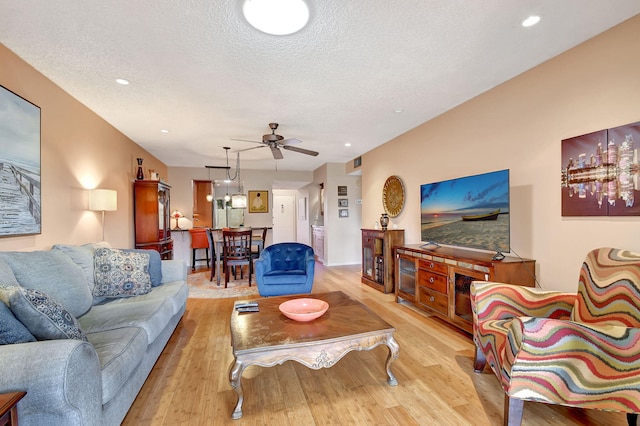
275 142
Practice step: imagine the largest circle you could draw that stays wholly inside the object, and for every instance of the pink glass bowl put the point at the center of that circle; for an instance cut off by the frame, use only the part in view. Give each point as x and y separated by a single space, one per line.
303 309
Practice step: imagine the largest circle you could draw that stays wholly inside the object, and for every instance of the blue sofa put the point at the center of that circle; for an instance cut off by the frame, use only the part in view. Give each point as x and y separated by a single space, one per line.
285 268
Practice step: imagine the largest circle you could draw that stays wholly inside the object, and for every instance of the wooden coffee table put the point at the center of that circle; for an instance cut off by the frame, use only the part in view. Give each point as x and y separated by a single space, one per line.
268 338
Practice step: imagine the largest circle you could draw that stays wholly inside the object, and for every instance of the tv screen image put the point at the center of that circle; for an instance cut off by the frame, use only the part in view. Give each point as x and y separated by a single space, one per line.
471 211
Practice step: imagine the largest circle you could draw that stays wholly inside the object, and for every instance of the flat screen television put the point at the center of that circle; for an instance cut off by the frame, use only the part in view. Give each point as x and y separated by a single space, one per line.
471 211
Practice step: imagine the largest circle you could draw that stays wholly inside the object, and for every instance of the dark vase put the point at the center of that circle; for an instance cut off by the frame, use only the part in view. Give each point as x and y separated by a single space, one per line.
140 175
384 221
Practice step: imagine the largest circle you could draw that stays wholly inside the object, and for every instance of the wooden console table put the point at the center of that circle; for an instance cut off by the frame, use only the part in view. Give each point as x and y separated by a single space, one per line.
9 408
438 281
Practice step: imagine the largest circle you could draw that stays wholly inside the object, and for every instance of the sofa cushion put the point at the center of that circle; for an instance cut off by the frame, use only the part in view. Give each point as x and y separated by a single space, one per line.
53 273
120 351
6 275
83 257
176 292
155 265
43 316
150 315
11 330
120 273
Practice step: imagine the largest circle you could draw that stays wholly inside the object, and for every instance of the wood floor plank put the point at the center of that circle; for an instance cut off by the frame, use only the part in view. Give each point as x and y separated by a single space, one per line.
189 384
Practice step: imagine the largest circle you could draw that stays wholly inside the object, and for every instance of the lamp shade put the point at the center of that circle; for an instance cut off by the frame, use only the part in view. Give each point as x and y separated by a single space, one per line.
239 201
103 200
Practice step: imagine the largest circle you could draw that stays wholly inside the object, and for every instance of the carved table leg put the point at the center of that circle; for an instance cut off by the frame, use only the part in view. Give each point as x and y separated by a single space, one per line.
394 352
235 376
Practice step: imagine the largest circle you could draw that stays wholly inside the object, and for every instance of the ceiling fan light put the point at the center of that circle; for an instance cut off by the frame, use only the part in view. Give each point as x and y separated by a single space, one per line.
276 17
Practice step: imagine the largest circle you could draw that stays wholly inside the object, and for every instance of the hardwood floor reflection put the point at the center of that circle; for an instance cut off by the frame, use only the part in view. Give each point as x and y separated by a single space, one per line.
189 384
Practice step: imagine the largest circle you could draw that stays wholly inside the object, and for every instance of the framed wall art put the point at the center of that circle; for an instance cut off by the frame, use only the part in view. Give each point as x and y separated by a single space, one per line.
258 201
343 202
21 208
343 213
600 173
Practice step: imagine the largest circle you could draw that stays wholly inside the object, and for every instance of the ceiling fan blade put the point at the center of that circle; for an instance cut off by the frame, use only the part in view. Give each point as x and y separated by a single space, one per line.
249 149
277 154
245 140
290 141
300 150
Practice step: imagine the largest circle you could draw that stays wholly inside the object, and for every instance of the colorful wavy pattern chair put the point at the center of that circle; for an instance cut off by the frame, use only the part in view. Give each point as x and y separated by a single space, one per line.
579 350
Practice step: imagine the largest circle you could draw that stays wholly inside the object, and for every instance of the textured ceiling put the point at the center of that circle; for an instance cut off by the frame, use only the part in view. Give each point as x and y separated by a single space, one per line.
198 69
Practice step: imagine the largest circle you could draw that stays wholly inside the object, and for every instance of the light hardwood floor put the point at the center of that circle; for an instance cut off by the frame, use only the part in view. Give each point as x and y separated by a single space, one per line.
437 386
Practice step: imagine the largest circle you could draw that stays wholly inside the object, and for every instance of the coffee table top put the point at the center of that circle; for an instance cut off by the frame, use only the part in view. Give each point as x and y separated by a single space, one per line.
256 331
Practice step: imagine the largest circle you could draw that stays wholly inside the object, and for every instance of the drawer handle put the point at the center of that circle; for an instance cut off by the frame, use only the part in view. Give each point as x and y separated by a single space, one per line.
432 299
431 265
431 280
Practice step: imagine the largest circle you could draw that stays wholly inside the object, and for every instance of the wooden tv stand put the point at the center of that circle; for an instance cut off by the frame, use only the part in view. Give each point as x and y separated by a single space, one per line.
438 280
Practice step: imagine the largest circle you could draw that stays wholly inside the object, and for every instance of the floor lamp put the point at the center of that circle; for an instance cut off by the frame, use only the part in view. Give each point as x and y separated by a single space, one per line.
103 200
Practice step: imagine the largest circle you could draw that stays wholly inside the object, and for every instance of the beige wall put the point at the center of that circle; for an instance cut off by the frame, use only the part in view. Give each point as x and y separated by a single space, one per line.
519 125
79 150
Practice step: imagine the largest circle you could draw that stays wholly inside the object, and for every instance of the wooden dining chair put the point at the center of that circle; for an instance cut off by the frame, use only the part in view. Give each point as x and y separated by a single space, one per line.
213 236
236 250
262 234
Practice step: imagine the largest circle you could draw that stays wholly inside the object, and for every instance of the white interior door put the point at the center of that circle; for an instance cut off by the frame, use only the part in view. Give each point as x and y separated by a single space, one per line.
284 218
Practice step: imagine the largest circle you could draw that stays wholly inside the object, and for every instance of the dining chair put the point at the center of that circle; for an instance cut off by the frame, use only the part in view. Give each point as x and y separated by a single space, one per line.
198 241
236 250
262 234
213 236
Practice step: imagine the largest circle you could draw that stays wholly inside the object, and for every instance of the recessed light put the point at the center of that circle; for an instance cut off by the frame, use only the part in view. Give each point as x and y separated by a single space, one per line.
531 21
398 110
347 144
276 17
122 81
164 131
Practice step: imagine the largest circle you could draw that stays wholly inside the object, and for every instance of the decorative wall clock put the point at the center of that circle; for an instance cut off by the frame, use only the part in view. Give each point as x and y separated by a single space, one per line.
393 196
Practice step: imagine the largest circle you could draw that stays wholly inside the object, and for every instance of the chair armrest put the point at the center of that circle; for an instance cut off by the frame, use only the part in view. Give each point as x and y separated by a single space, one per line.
570 363
61 377
174 270
263 263
496 301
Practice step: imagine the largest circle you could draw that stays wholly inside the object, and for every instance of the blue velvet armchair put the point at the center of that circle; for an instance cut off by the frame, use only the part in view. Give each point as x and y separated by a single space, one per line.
285 268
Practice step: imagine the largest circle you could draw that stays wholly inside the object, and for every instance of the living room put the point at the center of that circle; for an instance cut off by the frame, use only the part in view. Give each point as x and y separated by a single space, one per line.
517 125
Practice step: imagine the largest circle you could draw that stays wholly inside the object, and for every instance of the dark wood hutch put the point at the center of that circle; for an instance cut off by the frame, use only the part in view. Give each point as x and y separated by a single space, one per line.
152 210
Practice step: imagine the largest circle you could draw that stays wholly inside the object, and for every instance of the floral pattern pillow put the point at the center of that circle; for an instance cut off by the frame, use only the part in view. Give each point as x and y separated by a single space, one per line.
120 273
44 317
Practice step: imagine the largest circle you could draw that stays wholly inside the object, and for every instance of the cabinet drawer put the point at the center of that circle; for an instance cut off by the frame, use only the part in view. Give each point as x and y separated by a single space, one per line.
430 265
433 281
433 300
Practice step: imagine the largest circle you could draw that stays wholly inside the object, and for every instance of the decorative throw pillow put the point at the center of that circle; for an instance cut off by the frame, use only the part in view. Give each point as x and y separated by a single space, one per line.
45 318
155 265
11 330
120 273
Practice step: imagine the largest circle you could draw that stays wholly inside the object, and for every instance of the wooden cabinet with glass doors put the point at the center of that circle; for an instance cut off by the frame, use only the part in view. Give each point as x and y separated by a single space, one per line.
377 257
151 210
439 281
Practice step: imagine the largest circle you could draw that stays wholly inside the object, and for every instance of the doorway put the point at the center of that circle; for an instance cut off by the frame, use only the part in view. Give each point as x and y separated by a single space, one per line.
284 217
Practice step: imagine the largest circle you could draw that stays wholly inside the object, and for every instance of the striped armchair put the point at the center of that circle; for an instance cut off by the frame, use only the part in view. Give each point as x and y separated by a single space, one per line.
579 350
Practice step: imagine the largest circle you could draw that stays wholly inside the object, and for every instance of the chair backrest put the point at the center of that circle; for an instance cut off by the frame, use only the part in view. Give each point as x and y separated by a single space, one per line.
199 238
289 256
236 244
609 288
